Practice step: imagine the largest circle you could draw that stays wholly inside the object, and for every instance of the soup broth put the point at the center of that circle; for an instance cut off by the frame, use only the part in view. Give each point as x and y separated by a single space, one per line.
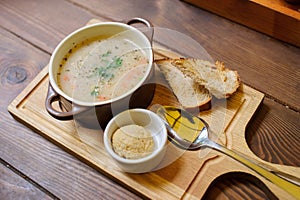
101 69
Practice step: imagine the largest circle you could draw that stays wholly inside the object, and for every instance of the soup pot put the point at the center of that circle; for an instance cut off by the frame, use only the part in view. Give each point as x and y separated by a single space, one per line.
100 112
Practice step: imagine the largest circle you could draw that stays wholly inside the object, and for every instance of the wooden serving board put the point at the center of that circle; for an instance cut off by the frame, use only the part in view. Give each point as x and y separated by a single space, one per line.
182 174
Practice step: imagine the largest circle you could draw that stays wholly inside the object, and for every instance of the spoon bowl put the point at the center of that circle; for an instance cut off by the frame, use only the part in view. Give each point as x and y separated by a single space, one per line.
191 132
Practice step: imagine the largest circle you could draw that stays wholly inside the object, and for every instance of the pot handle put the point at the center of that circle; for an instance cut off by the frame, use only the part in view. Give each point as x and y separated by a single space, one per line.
149 33
52 97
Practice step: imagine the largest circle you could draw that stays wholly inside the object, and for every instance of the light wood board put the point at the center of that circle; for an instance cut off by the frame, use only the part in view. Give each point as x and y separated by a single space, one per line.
182 174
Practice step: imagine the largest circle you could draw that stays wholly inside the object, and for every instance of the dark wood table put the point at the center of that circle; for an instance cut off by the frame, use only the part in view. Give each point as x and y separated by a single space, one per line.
34 168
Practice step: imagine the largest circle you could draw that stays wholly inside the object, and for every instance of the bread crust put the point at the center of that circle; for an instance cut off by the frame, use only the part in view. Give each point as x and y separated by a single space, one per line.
219 80
192 96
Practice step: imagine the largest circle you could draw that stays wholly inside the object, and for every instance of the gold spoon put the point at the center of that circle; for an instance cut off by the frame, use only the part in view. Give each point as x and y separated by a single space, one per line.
191 132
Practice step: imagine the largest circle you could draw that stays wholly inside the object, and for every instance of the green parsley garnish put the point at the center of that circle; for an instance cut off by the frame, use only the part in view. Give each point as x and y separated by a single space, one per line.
95 91
106 54
104 72
115 63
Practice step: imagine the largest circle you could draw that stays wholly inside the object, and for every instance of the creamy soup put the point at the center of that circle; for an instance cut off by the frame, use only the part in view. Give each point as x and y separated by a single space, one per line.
101 69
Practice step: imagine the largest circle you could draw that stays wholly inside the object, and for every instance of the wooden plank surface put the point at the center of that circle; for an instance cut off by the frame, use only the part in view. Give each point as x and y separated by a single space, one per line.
23 24
14 186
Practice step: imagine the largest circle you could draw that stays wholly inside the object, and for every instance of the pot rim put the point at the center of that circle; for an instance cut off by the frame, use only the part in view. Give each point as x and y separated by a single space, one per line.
97 103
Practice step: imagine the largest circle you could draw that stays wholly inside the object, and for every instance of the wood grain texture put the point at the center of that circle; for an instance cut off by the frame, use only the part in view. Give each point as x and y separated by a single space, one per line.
267 137
38 26
241 185
272 17
40 22
13 186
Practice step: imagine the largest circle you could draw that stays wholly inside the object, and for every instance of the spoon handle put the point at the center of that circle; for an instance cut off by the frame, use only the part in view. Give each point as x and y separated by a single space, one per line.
289 187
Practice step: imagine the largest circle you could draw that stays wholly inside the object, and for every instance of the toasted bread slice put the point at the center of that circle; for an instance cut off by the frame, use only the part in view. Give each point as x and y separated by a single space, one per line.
219 80
190 95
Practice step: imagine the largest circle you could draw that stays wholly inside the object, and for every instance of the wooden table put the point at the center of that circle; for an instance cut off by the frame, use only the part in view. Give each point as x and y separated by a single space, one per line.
33 167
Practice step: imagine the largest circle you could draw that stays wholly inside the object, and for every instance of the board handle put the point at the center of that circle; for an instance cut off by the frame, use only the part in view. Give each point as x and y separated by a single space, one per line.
149 33
52 97
290 187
